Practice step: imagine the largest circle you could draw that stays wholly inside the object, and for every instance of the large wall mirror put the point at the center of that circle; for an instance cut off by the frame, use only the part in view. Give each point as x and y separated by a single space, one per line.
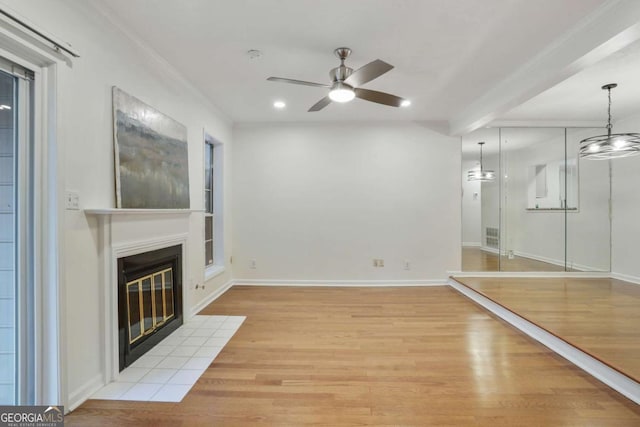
530 204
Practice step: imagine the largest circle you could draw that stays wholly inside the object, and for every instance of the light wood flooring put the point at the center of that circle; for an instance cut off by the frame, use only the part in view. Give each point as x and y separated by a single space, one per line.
374 356
475 259
599 316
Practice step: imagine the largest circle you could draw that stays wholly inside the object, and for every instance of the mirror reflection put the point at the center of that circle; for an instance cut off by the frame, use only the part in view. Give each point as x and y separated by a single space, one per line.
552 185
480 202
544 210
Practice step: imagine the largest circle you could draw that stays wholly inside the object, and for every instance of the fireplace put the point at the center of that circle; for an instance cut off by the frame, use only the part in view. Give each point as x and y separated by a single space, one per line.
149 300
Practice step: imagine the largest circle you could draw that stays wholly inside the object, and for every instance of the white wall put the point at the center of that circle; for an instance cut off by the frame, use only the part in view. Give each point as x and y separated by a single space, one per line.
471 205
625 251
87 165
320 201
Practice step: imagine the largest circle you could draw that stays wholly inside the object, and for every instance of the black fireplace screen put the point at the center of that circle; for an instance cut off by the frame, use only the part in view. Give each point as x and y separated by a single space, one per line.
149 300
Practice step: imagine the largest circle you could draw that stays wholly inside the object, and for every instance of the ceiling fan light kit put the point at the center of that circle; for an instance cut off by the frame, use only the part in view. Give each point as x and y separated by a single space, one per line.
611 145
345 83
341 92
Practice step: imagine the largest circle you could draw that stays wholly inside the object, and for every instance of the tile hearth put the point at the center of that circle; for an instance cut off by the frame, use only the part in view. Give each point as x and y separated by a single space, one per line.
168 371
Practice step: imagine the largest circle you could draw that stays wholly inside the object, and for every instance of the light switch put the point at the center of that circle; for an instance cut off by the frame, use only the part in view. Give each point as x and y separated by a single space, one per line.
72 200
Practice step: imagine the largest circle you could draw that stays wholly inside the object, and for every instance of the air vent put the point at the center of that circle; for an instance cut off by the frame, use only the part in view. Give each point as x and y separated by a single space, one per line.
492 237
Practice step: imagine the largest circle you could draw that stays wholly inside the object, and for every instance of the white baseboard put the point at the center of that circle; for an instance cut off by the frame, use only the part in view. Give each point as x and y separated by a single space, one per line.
558 262
626 277
490 250
78 397
211 297
532 274
336 283
539 258
581 267
471 244
591 365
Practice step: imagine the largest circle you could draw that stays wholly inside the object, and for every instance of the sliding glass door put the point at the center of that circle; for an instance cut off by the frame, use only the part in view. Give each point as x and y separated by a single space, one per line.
8 246
16 236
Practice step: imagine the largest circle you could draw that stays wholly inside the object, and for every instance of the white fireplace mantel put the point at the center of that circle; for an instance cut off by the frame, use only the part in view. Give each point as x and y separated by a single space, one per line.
125 232
124 211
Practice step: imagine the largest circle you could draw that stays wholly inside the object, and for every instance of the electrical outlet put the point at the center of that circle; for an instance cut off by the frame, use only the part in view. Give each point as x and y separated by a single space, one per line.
252 264
380 263
407 264
375 262
72 200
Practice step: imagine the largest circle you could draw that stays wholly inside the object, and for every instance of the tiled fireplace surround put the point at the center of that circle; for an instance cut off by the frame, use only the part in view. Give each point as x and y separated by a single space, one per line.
126 232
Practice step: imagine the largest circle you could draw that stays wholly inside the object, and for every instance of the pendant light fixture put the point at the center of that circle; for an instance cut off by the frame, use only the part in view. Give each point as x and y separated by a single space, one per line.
611 145
480 175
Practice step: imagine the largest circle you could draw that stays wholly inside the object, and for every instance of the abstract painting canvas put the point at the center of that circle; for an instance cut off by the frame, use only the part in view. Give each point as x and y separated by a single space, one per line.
152 170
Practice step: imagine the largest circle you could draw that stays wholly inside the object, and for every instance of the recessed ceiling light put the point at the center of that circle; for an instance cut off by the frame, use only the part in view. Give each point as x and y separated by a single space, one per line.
254 54
279 105
405 103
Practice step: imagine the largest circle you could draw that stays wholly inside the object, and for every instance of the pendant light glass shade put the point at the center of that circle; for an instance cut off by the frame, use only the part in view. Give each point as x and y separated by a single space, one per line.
611 145
341 92
480 175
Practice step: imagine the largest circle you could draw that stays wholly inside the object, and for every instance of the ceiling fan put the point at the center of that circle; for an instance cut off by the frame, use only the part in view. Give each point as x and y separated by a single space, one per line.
346 83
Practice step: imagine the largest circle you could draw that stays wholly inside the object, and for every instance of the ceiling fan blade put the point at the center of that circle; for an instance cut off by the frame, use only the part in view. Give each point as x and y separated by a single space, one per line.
320 104
379 97
296 82
368 72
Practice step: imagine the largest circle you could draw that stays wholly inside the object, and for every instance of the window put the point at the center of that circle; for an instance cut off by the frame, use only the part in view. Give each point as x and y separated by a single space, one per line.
209 213
213 202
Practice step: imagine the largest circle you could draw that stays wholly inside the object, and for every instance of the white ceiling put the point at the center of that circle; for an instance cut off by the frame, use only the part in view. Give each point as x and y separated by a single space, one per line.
580 97
446 53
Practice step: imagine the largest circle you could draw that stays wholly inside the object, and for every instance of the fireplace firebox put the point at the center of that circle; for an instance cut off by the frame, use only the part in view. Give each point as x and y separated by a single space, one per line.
149 300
